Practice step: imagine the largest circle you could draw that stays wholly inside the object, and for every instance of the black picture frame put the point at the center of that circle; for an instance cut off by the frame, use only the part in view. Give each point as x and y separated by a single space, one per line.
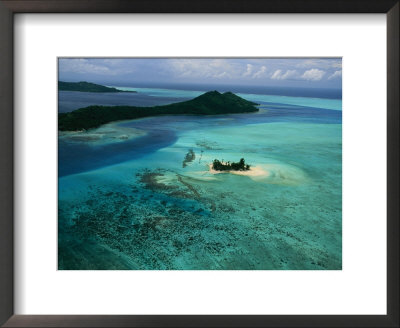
10 7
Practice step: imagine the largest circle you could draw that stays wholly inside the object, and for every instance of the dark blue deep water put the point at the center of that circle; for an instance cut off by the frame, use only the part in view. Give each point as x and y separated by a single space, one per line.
161 132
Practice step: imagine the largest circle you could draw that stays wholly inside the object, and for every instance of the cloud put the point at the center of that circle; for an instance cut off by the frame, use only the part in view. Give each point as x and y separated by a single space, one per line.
323 63
284 71
336 75
249 70
337 64
278 75
81 66
289 74
221 75
204 68
313 74
260 73
108 67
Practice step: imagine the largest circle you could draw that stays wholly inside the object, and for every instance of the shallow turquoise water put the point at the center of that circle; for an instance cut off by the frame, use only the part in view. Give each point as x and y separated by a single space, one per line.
160 211
335 104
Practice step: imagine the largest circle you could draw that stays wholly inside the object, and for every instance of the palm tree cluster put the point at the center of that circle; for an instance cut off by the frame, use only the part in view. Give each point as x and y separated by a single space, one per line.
228 166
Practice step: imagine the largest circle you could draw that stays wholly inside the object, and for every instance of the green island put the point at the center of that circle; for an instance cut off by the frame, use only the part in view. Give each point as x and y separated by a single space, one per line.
87 87
209 103
228 166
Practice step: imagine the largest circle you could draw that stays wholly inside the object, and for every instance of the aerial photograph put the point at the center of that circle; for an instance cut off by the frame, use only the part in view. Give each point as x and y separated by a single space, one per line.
199 163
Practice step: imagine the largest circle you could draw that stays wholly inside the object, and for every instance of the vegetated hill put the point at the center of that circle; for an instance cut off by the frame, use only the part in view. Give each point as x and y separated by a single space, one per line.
209 103
86 87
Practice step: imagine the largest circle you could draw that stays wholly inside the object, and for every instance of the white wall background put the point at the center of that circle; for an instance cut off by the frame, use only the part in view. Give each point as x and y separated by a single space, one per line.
360 288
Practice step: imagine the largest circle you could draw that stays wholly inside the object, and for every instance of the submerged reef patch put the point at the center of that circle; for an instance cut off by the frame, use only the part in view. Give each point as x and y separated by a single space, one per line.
107 134
164 220
208 145
189 158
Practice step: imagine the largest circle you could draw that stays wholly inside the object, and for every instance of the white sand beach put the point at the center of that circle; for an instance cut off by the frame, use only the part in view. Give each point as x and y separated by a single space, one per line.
255 171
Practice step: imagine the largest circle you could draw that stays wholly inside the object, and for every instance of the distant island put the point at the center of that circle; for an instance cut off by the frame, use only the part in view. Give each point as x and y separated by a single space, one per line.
209 103
87 87
228 166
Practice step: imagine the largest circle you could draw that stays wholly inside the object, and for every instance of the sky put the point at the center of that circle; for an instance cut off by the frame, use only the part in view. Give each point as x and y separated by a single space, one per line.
280 72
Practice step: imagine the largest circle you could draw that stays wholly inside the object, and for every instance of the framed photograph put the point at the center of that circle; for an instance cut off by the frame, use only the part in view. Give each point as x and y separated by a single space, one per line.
206 164
184 167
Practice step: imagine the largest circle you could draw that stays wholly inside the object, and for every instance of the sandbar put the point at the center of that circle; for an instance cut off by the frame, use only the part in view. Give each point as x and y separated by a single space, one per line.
255 171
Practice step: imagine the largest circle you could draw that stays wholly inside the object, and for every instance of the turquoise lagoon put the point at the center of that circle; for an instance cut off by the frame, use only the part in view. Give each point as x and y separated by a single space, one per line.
133 196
